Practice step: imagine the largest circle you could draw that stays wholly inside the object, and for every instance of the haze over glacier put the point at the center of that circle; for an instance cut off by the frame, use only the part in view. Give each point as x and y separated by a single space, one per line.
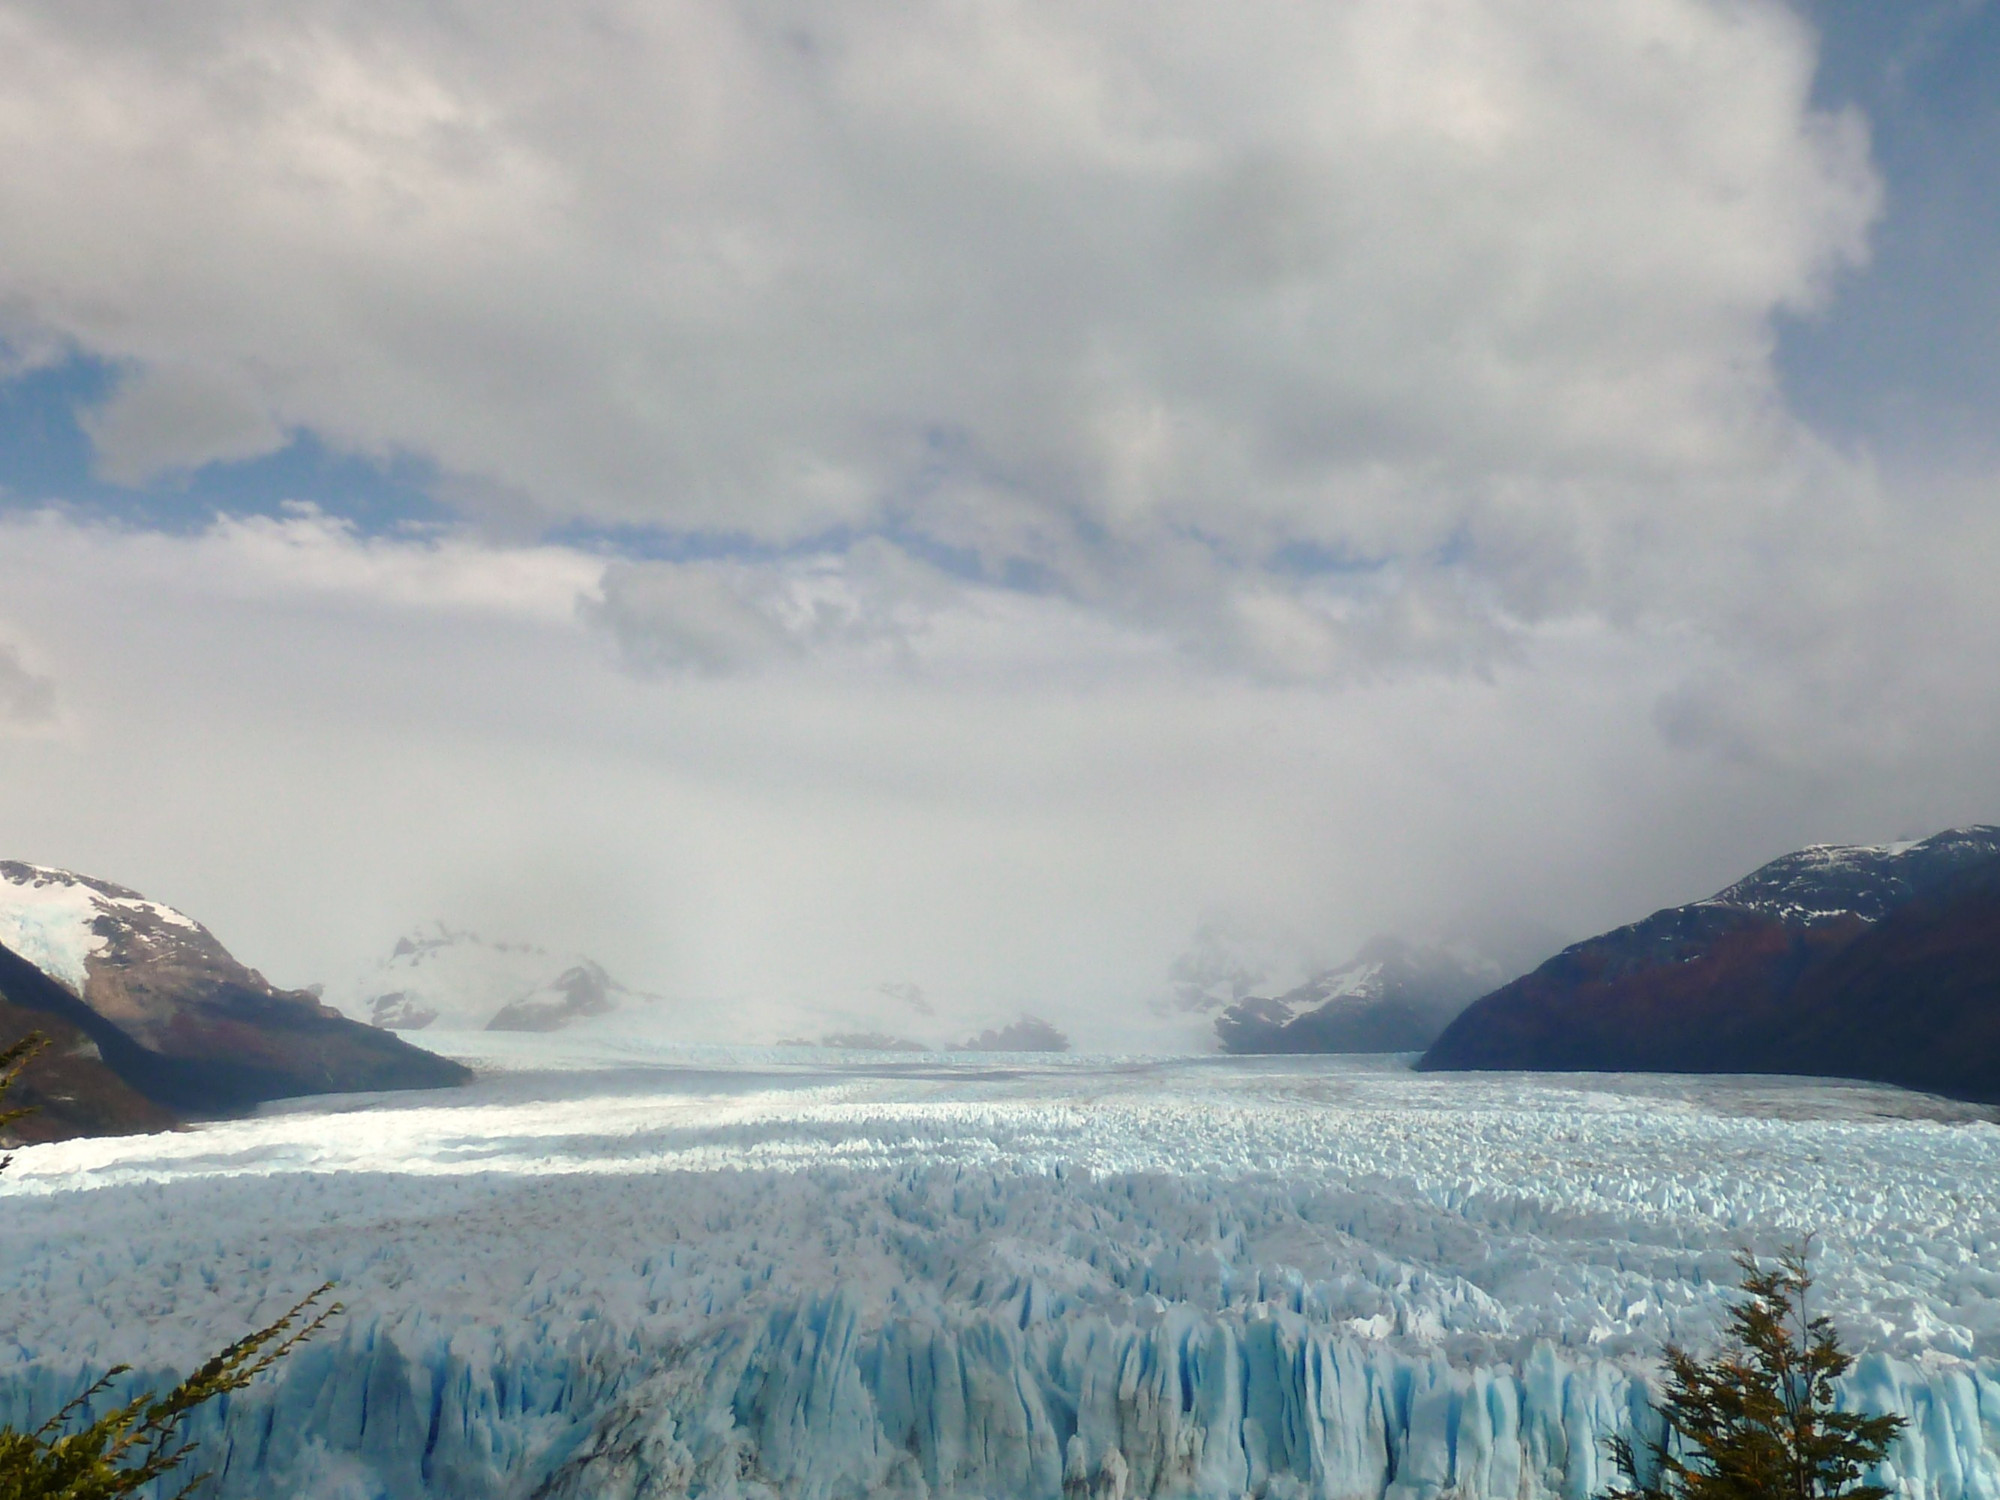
686 1271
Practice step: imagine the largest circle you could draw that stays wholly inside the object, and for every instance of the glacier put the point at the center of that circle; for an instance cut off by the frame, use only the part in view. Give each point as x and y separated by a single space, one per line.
622 1271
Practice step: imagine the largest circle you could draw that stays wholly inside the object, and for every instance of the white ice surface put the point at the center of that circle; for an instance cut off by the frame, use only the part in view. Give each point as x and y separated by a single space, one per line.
699 1271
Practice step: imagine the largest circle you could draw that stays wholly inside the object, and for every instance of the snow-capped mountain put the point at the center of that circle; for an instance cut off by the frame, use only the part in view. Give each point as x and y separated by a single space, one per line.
1229 960
171 1012
444 980
1392 996
1824 882
81 932
1857 960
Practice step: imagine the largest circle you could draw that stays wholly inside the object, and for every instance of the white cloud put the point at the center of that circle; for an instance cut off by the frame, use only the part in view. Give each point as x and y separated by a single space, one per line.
1130 296
305 557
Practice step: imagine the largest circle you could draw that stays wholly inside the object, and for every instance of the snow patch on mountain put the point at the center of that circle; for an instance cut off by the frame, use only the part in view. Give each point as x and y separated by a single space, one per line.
1825 882
59 921
1230 959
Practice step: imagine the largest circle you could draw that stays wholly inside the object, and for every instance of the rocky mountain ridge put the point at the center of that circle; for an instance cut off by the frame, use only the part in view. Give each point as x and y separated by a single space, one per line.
1863 961
174 1017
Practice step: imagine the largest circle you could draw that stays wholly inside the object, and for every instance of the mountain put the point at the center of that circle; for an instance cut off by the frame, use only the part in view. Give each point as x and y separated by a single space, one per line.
68 1087
1029 1034
1915 1000
1393 996
445 980
171 1013
1864 961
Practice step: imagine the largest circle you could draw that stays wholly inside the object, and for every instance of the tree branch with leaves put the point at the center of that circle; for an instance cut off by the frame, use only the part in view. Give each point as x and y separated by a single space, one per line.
1761 1420
143 1440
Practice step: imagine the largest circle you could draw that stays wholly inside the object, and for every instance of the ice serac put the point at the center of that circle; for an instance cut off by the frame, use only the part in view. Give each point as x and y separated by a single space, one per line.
1219 1278
171 1013
1869 961
816 1400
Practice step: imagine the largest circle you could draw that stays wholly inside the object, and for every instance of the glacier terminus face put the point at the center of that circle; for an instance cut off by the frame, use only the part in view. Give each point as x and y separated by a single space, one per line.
701 1272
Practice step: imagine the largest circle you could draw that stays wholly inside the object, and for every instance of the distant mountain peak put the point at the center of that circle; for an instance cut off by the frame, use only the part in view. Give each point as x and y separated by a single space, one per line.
60 921
451 979
1392 996
1861 960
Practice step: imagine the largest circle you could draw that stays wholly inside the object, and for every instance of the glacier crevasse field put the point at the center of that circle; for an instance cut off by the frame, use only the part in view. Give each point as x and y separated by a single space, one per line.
699 1272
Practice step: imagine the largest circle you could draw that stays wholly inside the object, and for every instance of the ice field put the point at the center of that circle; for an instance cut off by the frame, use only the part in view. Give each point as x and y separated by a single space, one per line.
627 1273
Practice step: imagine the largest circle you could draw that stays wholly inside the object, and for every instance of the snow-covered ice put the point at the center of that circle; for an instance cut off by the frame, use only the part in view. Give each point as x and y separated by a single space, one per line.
696 1271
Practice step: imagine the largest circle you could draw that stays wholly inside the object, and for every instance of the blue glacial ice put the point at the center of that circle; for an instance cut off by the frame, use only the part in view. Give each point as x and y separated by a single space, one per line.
733 1277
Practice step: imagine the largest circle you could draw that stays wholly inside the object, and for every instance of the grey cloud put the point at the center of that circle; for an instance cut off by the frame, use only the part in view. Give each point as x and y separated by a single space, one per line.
1036 838
27 699
721 617
165 418
693 617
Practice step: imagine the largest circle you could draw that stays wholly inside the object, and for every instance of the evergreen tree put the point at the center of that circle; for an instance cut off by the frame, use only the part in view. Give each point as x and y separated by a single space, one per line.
141 1441
1758 1422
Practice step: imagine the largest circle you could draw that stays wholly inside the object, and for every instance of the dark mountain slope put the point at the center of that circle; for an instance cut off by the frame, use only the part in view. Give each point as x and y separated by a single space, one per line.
1798 968
174 1015
1915 1000
68 1086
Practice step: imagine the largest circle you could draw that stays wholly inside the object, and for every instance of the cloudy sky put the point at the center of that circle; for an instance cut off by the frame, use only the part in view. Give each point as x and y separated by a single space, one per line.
797 498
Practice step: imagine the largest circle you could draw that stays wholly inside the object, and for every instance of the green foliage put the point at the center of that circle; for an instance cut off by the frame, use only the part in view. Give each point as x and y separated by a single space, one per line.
12 1061
1759 1421
133 1445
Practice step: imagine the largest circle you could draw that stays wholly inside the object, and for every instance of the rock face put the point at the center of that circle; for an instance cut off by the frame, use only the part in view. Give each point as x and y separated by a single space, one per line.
1874 961
1915 1000
1392 996
68 1087
174 1016
579 992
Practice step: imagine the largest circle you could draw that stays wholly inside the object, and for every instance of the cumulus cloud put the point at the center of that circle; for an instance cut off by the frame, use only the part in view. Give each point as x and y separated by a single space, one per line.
1119 303
304 556
719 617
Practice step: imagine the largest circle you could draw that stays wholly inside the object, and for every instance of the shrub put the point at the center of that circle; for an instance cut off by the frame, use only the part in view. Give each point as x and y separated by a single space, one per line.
131 1446
1759 1421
